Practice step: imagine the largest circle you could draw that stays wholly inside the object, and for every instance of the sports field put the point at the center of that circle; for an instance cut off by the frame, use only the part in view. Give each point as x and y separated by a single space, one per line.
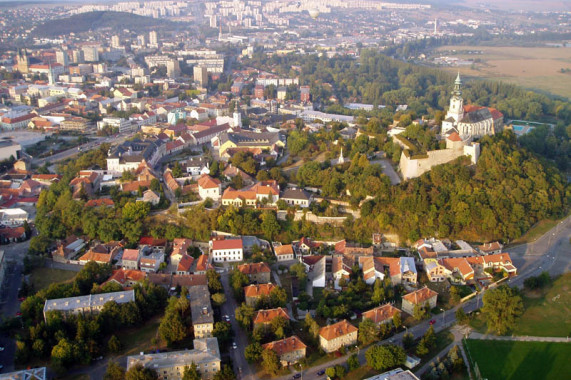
530 67
505 360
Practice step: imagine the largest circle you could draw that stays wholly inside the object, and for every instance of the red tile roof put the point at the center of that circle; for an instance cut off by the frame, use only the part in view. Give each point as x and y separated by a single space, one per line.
420 296
227 244
382 313
280 347
260 290
337 330
255 268
266 316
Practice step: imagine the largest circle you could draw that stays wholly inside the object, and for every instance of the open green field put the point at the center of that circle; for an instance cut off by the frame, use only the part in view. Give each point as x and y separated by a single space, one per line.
137 340
43 277
530 67
504 360
536 231
547 311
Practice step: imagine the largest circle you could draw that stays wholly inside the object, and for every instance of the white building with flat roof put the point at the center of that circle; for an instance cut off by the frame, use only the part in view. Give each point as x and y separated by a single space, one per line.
170 365
13 216
90 304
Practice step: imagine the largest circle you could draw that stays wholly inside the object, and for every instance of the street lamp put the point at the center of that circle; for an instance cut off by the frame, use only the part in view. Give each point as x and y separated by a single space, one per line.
443 316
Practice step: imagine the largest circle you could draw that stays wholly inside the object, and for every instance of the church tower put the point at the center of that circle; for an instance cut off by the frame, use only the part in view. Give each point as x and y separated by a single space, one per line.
22 61
456 109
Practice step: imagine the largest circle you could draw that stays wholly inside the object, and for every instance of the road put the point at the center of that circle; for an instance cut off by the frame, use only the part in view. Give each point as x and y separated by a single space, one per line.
241 338
551 252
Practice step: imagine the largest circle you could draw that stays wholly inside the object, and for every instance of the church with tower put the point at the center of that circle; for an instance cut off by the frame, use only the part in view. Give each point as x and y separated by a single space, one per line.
468 121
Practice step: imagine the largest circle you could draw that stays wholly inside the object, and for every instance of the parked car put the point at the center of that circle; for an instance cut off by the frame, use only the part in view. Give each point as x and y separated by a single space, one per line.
297 376
234 345
432 322
321 373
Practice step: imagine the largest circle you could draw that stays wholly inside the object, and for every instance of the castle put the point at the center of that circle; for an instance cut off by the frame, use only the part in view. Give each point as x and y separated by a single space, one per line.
470 121
463 124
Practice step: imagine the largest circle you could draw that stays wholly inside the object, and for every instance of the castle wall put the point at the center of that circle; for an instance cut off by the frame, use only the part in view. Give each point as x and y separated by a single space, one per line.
412 168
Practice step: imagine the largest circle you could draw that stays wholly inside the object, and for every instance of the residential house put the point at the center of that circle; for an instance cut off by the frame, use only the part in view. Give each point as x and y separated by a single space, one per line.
152 261
12 234
227 250
101 202
180 248
171 365
196 165
335 336
267 192
458 269
257 272
148 242
232 171
315 267
101 254
296 197
209 187
491 248
253 293
184 265
306 246
131 259
289 350
419 297
382 314
149 196
435 271
341 267
350 249
284 252
127 278
68 248
402 270
265 317
202 264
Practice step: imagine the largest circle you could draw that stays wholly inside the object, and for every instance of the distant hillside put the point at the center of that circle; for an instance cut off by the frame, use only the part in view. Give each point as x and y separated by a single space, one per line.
99 20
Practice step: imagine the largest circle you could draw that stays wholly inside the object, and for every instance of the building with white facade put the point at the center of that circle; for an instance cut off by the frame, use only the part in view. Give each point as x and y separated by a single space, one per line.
227 250
90 304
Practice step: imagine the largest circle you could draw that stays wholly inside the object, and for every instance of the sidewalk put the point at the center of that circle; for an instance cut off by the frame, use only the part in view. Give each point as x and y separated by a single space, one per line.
476 335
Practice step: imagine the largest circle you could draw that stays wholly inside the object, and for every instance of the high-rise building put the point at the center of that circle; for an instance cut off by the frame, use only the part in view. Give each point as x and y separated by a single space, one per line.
173 68
142 40
62 58
213 21
201 75
153 39
90 54
77 56
115 42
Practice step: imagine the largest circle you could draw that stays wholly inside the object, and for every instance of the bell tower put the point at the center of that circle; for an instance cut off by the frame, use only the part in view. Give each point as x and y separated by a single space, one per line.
456 109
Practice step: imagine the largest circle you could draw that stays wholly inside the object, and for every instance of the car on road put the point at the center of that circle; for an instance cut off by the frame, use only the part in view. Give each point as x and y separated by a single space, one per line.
432 322
234 345
226 318
19 314
321 373
297 376
1 348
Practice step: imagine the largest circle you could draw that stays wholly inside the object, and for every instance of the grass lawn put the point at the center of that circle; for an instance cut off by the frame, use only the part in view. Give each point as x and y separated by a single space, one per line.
539 229
443 339
520 360
363 372
136 340
547 311
43 277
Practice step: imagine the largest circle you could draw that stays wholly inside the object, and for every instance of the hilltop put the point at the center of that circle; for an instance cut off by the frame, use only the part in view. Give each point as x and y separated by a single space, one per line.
99 20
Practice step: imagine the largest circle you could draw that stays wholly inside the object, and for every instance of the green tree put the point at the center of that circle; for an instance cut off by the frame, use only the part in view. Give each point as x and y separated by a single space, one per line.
225 373
253 352
278 297
271 361
419 312
502 306
239 280
138 372
461 316
219 299
172 328
214 284
114 345
382 358
368 332
407 340
191 372
353 362
270 225
222 331
397 320
114 372
244 315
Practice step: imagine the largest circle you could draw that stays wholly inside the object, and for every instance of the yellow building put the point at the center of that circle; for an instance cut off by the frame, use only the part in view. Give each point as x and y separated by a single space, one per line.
340 334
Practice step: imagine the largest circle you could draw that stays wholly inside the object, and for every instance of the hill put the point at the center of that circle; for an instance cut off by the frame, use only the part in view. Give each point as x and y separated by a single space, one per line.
99 20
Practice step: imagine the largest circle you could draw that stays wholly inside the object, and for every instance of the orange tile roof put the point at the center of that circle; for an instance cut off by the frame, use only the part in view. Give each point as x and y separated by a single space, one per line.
207 182
284 250
260 290
454 136
100 202
337 330
488 247
97 257
185 263
459 263
202 263
381 313
266 316
227 244
123 275
254 268
131 254
420 296
280 347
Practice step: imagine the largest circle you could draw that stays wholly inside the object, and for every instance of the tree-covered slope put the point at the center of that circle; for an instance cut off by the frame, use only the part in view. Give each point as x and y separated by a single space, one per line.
98 20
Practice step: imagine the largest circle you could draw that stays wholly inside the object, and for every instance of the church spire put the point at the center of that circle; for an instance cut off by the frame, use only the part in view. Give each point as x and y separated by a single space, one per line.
457 86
